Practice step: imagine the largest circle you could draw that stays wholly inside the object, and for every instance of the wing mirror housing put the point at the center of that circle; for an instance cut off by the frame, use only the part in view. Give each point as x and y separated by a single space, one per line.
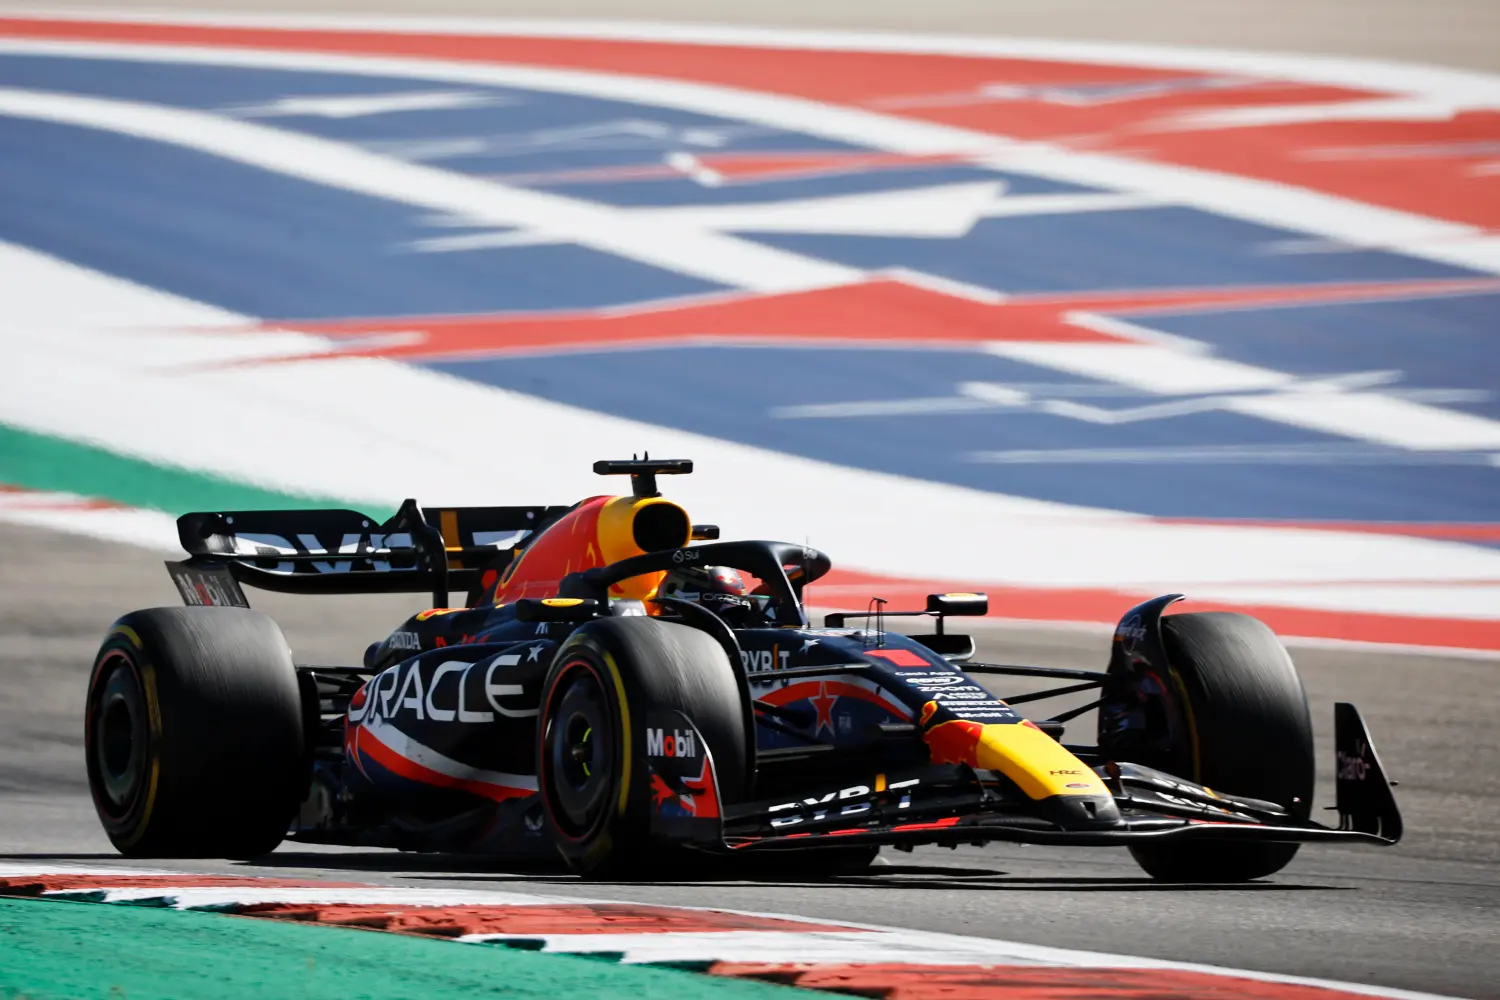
959 605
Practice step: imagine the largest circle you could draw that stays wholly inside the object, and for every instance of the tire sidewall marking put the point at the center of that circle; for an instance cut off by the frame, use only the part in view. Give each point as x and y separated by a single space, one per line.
582 653
131 651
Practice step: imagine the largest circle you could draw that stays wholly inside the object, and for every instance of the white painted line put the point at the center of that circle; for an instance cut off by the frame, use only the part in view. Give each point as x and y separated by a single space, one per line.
1293 642
224 898
1213 454
686 250
1070 204
1470 601
16 869
1382 419
481 241
947 212
851 947
1319 405
147 529
1375 110
1146 368
364 105
919 406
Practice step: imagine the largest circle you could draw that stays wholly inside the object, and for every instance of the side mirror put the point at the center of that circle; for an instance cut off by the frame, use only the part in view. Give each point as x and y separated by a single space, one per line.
966 605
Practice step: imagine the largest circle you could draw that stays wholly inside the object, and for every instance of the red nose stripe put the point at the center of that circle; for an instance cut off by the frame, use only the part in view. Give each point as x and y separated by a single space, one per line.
955 742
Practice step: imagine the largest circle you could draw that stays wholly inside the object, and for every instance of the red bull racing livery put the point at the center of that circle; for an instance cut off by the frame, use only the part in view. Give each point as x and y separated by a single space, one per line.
621 686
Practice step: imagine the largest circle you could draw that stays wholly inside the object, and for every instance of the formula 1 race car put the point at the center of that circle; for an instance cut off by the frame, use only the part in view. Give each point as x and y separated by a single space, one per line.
613 692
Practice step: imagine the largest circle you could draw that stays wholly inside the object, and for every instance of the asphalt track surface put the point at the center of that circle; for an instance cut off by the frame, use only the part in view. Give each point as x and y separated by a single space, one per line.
1420 916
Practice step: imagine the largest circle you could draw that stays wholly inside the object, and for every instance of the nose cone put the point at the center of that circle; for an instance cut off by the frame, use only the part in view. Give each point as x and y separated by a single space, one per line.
1045 771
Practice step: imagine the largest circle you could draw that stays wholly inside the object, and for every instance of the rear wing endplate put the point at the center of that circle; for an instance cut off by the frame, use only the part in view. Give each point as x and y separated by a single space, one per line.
434 550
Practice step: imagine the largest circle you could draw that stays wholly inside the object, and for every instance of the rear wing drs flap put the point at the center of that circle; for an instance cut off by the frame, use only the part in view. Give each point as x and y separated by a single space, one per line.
417 550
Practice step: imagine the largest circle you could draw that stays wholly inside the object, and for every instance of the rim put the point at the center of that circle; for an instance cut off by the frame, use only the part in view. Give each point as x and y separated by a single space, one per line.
118 736
1159 735
1172 746
579 748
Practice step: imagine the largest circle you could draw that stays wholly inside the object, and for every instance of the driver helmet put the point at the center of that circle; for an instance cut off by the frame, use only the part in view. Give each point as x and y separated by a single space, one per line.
720 589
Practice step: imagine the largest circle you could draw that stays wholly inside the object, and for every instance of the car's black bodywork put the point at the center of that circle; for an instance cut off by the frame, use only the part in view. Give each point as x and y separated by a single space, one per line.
853 733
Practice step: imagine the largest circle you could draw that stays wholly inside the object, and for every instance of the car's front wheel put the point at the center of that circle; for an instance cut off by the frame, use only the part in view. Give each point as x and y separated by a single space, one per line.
592 738
1235 719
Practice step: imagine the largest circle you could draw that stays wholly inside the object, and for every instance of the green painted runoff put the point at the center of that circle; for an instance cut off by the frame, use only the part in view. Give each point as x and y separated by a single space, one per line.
52 949
41 462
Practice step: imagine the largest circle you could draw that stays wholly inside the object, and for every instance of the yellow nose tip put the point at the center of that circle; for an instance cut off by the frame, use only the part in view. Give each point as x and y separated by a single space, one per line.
1038 764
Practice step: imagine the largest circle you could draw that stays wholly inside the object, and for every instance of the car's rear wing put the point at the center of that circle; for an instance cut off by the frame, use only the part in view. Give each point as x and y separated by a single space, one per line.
417 550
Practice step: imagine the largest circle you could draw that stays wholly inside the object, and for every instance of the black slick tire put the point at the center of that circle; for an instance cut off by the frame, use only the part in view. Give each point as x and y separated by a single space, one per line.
591 772
1247 731
194 734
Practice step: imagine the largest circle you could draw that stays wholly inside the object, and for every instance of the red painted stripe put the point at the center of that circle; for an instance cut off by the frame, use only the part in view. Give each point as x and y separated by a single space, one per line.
31 499
838 77
1022 982
35 885
367 744
874 311
63 505
1106 606
579 918
1358 159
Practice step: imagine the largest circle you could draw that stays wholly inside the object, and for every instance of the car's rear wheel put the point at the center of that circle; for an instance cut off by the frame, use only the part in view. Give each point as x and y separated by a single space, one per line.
591 774
194 734
1239 723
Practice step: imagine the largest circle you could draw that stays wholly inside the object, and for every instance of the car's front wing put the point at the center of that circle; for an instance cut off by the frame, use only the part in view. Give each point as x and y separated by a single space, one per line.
954 804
